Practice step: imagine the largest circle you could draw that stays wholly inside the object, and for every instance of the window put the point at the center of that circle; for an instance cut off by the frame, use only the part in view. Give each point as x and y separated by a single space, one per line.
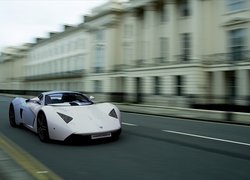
185 9
157 81
163 49
100 35
140 14
127 53
71 63
72 98
179 85
80 62
65 64
128 31
40 97
237 43
186 46
163 13
98 86
81 44
99 58
236 5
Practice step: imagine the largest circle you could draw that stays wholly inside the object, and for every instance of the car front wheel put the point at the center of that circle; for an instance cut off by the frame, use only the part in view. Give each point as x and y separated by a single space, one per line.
42 128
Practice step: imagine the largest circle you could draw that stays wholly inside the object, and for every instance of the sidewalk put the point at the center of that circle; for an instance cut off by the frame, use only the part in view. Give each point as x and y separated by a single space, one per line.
10 170
186 113
17 164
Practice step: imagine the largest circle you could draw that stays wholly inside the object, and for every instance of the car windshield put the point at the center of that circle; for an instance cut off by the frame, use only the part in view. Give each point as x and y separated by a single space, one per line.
57 98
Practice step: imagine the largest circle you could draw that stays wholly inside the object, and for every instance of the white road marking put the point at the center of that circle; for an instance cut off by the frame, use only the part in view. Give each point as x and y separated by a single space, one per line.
128 124
207 137
42 172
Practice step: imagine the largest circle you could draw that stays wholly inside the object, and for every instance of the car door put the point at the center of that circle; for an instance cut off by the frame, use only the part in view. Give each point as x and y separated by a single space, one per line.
27 115
30 110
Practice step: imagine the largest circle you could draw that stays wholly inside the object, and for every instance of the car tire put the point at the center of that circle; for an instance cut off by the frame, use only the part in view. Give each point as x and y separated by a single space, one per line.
12 118
116 135
42 128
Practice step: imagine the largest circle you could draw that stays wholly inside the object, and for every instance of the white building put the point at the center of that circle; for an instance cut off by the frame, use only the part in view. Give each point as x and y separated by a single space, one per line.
104 28
187 47
155 51
12 60
58 62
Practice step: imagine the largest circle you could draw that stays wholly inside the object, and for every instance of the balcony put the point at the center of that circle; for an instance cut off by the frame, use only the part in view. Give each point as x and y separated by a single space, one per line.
98 70
183 58
119 67
227 58
140 63
56 75
160 60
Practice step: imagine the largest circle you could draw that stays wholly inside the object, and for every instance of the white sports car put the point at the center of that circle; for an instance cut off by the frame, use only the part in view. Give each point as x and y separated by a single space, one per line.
62 115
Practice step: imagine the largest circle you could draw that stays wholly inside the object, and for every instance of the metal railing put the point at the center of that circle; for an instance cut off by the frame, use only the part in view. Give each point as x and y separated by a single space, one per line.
98 70
227 58
56 75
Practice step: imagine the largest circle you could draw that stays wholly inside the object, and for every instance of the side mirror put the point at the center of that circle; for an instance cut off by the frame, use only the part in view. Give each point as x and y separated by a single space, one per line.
38 102
91 98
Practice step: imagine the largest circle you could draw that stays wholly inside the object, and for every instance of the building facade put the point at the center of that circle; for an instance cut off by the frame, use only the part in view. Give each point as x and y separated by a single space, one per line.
12 72
154 51
57 62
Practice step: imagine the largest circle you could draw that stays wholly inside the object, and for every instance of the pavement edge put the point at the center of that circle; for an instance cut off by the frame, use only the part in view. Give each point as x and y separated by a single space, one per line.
35 168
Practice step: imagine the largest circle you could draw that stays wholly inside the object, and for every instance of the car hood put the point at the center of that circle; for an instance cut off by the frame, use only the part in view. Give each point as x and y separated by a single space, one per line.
90 118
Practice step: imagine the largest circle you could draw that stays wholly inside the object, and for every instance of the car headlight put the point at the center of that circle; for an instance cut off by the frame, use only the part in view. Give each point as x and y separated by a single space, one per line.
113 114
66 118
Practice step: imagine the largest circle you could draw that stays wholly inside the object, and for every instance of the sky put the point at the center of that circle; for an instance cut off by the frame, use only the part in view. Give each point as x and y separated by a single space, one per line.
24 20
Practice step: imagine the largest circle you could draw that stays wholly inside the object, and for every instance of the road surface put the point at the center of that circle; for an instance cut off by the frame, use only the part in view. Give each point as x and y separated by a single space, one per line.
150 147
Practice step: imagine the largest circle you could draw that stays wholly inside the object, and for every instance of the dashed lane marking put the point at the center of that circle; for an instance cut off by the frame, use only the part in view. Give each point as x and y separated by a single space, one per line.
207 137
128 124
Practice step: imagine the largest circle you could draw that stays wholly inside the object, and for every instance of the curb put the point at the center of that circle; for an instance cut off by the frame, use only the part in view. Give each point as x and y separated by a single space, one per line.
186 113
21 164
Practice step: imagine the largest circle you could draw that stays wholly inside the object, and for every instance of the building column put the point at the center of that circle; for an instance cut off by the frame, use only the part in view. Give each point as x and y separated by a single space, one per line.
172 18
148 85
149 36
242 83
167 85
135 40
107 82
196 14
219 83
130 85
130 89
112 47
165 32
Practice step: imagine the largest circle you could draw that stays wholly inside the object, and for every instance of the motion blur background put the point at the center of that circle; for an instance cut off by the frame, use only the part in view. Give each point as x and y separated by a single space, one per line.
181 53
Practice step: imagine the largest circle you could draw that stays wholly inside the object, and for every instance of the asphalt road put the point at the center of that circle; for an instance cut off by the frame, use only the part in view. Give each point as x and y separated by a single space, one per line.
150 147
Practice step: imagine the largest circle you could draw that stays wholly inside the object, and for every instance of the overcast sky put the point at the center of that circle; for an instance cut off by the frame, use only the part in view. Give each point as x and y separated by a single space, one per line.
24 20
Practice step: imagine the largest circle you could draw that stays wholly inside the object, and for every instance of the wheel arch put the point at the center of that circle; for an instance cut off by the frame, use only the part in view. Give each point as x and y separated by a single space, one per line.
40 112
17 105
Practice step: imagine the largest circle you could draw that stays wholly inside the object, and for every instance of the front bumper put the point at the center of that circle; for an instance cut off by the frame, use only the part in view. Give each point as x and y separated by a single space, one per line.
89 137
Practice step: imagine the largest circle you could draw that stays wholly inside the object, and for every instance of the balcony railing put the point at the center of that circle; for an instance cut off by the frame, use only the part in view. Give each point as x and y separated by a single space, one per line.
227 58
140 63
160 60
119 67
56 75
98 70
182 58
